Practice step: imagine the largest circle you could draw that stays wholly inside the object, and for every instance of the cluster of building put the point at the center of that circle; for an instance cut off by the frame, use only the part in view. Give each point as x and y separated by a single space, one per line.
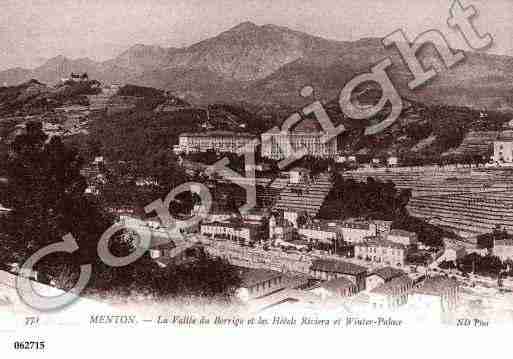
243 230
279 145
371 241
274 145
383 289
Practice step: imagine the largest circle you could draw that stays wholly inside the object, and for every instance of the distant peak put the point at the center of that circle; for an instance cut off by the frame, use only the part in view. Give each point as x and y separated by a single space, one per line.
143 47
272 26
58 58
243 26
32 82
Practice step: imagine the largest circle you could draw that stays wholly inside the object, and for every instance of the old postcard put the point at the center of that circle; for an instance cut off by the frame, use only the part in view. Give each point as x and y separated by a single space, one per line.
324 177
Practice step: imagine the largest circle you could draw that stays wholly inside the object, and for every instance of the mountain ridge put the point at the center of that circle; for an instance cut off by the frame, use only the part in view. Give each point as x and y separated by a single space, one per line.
269 64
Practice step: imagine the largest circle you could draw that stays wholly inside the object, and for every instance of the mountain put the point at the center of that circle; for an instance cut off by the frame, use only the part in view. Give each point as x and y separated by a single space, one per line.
268 65
480 81
140 58
52 71
14 76
248 52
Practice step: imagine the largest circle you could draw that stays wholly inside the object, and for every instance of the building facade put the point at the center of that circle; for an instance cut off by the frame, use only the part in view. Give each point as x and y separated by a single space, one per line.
328 269
257 283
218 141
402 237
250 227
233 231
454 252
335 288
436 298
381 276
281 229
381 251
357 231
503 151
321 231
391 294
503 249
280 145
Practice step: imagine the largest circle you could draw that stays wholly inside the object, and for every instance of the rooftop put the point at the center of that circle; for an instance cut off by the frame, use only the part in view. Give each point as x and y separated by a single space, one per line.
388 273
336 266
436 286
234 223
382 243
402 233
254 276
324 225
217 134
294 132
389 287
356 225
337 283
299 169
503 243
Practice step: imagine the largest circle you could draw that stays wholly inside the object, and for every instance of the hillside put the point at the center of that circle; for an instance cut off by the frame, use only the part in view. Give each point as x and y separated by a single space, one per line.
268 65
423 133
34 97
137 120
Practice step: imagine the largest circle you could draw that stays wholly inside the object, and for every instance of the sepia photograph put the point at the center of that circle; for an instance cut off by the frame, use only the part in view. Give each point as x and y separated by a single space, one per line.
277 171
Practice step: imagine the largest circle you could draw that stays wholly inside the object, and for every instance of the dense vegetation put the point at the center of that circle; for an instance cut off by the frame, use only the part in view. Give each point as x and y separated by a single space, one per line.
377 200
372 199
489 266
442 127
487 240
33 97
47 196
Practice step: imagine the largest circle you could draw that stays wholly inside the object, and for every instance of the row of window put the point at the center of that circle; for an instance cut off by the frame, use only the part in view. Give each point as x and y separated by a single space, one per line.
378 259
381 250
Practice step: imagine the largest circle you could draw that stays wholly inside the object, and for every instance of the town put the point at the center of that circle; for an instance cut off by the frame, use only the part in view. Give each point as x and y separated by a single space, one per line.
299 245
329 178
419 225
295 256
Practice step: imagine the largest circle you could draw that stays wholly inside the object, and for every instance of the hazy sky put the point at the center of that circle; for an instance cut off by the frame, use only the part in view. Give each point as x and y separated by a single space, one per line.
32 31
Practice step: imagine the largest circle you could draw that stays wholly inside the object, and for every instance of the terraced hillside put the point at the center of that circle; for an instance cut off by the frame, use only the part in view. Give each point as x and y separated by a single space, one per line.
477 143
268 190
473 213
480 142
100 101
305 197
466 201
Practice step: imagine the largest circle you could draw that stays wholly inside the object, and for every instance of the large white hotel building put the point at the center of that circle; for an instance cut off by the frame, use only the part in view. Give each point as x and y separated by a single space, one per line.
280 145
218 141
275 145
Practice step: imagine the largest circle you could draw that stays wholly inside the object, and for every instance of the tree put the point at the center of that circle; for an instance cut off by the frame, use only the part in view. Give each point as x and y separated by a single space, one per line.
370 199
47 196
487 240
482 265
302 219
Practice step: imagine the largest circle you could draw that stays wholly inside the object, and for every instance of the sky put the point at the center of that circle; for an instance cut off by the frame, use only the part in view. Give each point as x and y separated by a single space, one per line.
32 31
